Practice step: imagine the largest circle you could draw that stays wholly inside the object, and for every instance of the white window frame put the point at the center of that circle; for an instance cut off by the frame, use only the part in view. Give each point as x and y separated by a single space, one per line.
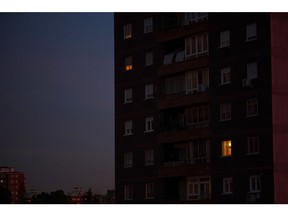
128 63
192 80
248 107
148 25
198 188
195 45
128 96
252 70
149 124
224 73
198 152
149 191
128 192
227 185
255 184
127 31
224 38
128 126
198 115
148 58
253 145
149 157
251 32
149 91
225 112
128 160
194 17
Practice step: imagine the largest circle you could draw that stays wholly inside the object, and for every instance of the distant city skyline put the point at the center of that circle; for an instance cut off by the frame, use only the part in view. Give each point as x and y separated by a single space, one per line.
57 99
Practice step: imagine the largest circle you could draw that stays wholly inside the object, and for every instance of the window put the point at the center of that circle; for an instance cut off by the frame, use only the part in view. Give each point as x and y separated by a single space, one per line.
225 112
197 81
127 31
149 191
149 157
226 148
196 45
252 107
194 17
255 183
149 91
198 188
251 32
198 152
128 159
148 58
224 39
225 76
227 185
174 85
128 192
128 63
198 115
252 72
128 95
148 25
128 128
149 124
253 145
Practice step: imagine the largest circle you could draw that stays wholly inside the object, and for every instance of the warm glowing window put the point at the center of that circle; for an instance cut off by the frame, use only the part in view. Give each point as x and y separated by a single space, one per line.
226 148
128 63
127 31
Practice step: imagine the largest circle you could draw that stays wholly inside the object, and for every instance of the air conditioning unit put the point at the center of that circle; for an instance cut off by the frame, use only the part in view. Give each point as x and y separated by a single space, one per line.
247 82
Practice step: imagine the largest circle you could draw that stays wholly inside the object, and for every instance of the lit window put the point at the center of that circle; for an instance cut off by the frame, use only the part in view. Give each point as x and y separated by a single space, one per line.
251 32
226 148
252 71
149 191
224 38
199 188
149 157
227 185
128 63
253 145
149 91
128 95
127 31
148 58
128 192
128 128
255 183
225 112
128 159
252 107
196 45
225 76
148 25
149 124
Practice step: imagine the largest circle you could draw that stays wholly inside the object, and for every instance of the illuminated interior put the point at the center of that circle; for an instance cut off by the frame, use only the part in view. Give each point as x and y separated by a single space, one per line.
226 148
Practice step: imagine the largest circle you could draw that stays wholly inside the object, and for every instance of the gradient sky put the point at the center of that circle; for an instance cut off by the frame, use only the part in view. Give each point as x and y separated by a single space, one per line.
57 99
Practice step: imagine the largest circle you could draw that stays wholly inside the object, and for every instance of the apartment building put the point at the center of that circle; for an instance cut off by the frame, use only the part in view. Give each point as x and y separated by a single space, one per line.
201 107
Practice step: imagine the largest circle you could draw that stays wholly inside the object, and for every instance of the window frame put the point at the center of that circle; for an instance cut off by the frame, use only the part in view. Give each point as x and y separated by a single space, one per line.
225 71
248 107
128 192
149 91
149 124
149 58
227 181
128 160
255 180
149 157
224 39
127 31
148 25
128 128
195 183
251 32
225 112
128 92
252 70
149 191
197 43
253 144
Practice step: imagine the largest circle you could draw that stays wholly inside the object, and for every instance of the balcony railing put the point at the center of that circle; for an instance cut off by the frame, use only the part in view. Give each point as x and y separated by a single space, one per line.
203 160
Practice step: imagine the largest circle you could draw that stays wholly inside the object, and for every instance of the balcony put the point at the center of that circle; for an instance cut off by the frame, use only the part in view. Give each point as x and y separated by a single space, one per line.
183 169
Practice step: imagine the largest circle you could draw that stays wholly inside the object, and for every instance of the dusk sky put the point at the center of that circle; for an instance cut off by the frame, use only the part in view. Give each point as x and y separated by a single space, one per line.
57 99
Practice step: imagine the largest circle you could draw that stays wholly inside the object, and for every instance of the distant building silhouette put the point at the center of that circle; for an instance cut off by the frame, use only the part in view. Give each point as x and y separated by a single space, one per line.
201 107
14 182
